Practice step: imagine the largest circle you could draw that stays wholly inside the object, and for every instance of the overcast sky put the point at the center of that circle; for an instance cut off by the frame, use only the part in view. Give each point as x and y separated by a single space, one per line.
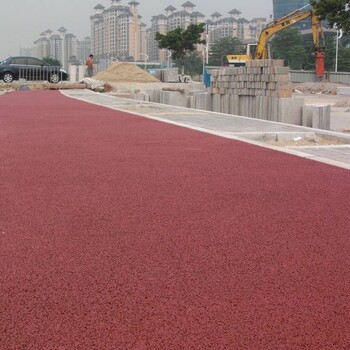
22 21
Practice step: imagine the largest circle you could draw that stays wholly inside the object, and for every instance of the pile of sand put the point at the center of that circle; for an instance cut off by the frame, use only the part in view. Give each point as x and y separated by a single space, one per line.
128 72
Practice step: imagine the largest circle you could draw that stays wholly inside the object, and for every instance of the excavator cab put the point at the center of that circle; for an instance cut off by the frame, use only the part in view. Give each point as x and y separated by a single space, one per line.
240 60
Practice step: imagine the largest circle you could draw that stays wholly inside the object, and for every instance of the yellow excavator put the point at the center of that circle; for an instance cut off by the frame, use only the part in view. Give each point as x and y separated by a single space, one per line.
262 49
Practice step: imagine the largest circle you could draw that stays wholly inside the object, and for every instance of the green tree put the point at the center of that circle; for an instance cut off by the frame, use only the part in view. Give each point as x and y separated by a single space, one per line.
336 12
52 61
344 60
344 54
223 47
193 64
289 45
181 41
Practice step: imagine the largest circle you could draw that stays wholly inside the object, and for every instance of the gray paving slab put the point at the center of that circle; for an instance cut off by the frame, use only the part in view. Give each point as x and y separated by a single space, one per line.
224 125
337 153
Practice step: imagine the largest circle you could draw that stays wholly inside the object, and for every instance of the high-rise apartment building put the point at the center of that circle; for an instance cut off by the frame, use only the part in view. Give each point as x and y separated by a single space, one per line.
117 32
83 49
63 46
97 31
164 23
158 25
227 26
217 27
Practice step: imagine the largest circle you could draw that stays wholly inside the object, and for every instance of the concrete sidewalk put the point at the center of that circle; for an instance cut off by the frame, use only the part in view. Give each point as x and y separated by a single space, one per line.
334 148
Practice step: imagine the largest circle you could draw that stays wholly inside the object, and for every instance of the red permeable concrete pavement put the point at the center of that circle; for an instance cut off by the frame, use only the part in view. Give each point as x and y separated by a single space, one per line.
119 232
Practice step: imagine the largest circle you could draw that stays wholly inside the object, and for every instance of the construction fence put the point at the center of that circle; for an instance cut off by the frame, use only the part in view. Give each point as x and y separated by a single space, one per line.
302 76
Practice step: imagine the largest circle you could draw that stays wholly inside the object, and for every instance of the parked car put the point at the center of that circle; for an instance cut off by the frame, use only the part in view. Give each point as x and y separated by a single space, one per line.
30 68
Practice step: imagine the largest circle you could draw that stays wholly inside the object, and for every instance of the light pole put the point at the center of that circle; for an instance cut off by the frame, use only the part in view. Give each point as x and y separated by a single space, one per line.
146 58
169 55
203 59
207 39
207 46
339 35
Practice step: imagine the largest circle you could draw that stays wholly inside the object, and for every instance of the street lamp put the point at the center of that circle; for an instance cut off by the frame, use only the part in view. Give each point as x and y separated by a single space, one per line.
169 55
207 46
146 58
339 35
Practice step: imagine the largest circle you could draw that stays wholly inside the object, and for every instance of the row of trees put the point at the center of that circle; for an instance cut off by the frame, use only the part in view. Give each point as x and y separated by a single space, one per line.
289 44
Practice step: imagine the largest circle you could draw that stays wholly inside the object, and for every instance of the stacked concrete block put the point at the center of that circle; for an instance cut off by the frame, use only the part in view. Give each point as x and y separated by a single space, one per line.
73 74
174 98
318 117
76 73
255 91
290 110
191 103
234 104
141 96
203 100
167 75
154 95
217 103
170 75
343 90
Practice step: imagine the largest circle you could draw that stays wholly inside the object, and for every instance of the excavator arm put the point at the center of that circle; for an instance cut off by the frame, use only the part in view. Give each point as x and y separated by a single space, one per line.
282 23
276 26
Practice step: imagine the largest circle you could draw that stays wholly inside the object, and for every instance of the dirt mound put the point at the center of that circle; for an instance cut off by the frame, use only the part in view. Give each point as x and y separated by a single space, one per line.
326 88
342 103
122 71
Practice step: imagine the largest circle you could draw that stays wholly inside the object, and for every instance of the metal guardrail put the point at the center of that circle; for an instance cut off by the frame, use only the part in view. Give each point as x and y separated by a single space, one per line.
38 74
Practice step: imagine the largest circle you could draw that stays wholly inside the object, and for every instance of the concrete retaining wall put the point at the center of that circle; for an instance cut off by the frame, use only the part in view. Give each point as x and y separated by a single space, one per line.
175 98
167 75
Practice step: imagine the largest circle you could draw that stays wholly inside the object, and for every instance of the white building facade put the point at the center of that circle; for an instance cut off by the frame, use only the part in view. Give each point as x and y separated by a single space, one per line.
62 46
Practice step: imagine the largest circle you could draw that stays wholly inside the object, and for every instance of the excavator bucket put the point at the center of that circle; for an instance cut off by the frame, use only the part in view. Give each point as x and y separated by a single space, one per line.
319 57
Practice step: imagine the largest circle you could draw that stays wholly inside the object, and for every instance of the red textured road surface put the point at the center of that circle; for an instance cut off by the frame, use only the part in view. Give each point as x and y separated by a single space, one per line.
119 232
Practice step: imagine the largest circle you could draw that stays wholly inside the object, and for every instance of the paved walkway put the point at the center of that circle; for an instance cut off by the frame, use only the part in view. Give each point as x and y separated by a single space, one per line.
228 126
